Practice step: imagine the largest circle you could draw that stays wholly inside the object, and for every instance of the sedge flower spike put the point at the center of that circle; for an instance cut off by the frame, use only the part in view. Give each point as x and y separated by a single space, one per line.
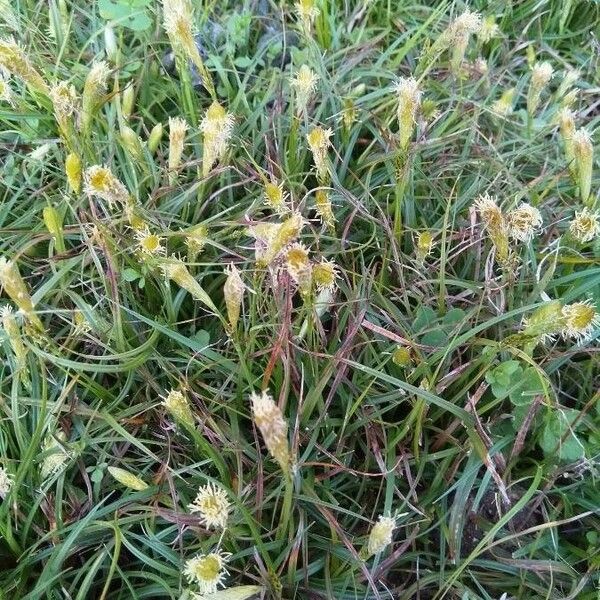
149 244
73 172
496 226
544 323
216 128
325 274
195 240
178 407
324 208
459 33
523 222
177 19
94 89
299 267
409 101
6 482
207 571
176 270
540 77
319 142
585 226
233 292
56 455
99 181
488 31
212 505
579 320
381 535
16 289
14 60
278 237
304 83
504 105
66 109
307 12
273 427
177 130
583 153
275 197
566 122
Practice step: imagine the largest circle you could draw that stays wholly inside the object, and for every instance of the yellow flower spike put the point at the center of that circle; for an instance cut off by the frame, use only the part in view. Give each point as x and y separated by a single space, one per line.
540 77
279 237
325 274
177 405
149 244
307 13
583 152
233 291
14 60
73 172
213 506
380 536
424 245
496 226
195 240
177 19
155 138
324 208
304 83
585 226
275 197
15 288
545 322
100 181
504 106
318 141
133 215
217 127
523 222
569 78
132 144
66 104
299 267
457 37
177 130
128 101
273 427
207 571
488 30
579 320
566 121
128 479
53 221
94 89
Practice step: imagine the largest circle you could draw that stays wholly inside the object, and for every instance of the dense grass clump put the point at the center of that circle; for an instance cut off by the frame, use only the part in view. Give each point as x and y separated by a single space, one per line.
299 301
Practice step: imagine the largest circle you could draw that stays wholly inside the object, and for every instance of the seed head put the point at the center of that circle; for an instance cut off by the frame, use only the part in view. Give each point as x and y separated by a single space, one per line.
318 141
207 571
212 505
540 77
272 238
217 127
6 482
381 535
177 130
580 319
304 83
585 226
233 291
273 427
523 222
100 181
178 407
325 274
275 197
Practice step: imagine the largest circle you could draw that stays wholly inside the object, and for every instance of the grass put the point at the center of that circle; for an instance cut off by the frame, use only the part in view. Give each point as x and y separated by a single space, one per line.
416 391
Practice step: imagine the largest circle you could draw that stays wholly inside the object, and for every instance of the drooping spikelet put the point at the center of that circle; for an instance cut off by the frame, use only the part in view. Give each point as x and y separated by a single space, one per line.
177 130
307 13
6 482
495 225
325 274
585 226
304 83
207 571
381 535
233 292
55 453
299 268
100 181
212 505
583 153
523 222
14 286
66 104
178 20
540 77
14 60
324 208
579 320
318 141
409 101
94 89
216 127
273 427
73 171
504 105
178 407
275 197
